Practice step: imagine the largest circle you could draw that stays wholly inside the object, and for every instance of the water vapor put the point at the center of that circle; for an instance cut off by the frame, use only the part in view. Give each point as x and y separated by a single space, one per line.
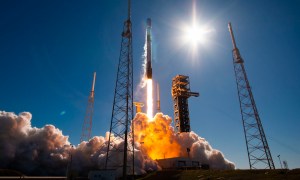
46 151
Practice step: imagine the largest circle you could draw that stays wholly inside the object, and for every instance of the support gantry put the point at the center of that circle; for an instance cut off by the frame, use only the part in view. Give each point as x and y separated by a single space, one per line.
180 94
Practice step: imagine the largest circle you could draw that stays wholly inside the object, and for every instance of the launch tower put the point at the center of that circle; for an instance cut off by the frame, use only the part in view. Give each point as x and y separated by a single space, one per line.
259 154
122 112
87 124
180 93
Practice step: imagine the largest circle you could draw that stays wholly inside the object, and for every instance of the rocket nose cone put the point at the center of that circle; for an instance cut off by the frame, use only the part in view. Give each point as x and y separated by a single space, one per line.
149 22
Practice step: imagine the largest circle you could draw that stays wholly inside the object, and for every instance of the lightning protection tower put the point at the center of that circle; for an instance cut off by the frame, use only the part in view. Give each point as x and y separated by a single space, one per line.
122 112
87 124
180 93
259 154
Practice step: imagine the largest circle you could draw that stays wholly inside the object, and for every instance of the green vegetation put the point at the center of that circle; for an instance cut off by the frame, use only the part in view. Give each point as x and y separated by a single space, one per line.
224 174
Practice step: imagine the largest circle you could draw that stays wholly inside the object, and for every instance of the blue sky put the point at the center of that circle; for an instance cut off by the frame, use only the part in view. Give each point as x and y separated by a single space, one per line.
50 49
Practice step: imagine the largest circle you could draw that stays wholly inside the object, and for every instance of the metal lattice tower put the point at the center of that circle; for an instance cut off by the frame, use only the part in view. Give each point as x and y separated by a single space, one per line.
259 154
87 124
180 93
122 113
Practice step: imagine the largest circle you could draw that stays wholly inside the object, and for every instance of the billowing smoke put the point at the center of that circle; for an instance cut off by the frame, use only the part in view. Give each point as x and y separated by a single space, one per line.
159 141
31 150
143 75
46 151
140 90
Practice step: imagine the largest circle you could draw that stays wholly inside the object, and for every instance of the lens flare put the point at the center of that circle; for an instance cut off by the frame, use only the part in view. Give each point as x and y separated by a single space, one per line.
149 98
195 35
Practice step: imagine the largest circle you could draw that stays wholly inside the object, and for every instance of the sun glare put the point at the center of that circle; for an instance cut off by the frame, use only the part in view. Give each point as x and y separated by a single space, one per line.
195 35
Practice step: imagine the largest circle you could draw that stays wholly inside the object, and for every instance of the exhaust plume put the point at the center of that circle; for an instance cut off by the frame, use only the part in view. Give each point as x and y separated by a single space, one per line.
46 151
160 141
150 98
143 80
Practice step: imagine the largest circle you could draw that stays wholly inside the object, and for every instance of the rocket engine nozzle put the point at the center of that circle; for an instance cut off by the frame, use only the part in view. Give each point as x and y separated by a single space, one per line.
149 73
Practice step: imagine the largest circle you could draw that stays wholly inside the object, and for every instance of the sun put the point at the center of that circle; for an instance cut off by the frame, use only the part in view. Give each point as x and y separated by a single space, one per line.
195 34
196 37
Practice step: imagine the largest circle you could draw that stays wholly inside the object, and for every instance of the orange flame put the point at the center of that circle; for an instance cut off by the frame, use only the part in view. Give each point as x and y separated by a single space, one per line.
149 98
156 136
156 139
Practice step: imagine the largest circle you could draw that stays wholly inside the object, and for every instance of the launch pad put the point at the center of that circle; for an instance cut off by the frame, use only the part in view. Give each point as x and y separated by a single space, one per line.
179 163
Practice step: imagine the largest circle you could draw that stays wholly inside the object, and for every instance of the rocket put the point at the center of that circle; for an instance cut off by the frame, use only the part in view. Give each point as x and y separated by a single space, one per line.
149 52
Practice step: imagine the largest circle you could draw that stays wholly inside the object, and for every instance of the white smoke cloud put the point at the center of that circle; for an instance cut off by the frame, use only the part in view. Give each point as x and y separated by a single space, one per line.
140 90
31 150
46 151
143 75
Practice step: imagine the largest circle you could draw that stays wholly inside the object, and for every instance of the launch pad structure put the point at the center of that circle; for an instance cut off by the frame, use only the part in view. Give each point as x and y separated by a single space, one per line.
88 119
122 112
259 154
180 94
138 106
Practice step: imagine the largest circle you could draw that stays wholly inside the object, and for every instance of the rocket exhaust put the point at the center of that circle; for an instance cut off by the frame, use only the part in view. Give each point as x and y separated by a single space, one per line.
149 71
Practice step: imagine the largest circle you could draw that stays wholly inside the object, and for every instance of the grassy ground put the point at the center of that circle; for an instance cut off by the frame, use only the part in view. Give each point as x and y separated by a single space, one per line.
225 174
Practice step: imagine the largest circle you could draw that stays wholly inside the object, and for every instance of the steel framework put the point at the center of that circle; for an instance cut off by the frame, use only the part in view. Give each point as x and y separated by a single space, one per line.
87 124
121 142
259 154
180 93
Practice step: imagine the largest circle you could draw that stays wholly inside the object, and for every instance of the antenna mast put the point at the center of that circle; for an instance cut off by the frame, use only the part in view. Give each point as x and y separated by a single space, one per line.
87 124
259 154
122 113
